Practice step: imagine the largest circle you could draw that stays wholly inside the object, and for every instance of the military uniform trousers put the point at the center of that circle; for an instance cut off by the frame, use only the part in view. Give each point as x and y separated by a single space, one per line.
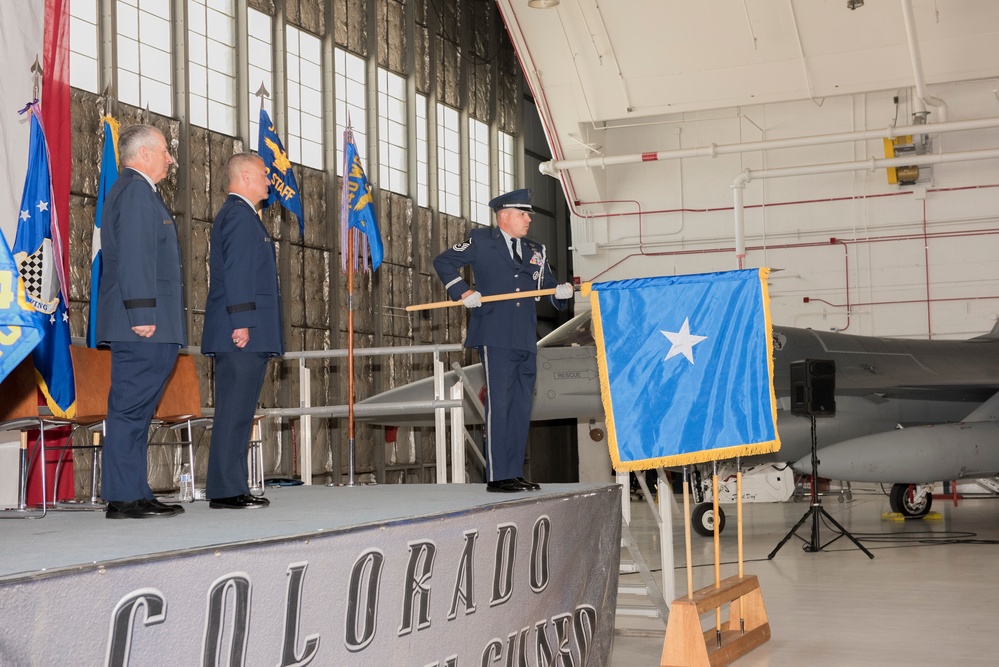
239 377
510 377
139 373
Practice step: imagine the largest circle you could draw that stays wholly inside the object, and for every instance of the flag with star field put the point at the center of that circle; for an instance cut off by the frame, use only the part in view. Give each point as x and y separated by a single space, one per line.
686 367
34 254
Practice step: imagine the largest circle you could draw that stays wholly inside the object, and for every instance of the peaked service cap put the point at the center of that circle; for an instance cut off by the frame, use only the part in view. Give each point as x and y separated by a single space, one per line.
520 199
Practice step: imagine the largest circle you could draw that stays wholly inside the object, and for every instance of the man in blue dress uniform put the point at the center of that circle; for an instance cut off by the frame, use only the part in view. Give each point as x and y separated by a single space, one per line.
504 332
140 316
242 328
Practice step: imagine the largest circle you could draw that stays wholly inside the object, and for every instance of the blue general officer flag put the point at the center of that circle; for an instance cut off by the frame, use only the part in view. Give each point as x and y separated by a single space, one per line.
283 187
109 174
686 368
36 261
20 330
360 204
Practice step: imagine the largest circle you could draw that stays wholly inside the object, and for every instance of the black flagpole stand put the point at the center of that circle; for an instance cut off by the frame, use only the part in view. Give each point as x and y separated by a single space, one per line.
816 511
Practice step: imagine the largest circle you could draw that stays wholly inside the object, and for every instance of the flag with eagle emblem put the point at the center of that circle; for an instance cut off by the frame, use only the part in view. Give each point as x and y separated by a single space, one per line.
358 206
283 188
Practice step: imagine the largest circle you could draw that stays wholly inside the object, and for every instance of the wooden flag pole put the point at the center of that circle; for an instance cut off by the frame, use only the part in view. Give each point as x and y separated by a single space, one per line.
717 540
738 525
686 533
486 299
686 644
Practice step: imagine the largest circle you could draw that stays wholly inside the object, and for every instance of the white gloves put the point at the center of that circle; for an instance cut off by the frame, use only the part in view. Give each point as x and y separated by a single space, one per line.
473 300
564 291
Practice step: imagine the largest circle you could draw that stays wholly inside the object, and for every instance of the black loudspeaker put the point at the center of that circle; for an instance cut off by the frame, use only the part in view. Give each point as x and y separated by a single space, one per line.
813 387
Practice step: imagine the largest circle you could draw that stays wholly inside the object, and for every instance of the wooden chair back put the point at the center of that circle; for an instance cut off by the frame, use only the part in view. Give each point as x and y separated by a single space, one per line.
19 392
181 399
92 379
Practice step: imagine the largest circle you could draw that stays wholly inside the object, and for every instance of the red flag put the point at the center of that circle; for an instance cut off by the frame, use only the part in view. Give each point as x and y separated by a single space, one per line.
58 134
56 119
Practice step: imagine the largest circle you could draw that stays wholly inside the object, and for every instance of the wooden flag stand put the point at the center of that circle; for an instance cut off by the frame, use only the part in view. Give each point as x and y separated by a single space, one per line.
686 645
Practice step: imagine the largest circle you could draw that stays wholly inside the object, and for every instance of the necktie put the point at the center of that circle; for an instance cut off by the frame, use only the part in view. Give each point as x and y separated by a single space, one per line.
516 255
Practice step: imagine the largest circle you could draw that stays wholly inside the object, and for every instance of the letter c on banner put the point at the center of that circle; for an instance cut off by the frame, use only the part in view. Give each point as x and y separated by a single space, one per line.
122 622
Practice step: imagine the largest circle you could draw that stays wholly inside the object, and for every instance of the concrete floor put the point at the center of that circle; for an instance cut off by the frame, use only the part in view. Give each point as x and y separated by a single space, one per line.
927 598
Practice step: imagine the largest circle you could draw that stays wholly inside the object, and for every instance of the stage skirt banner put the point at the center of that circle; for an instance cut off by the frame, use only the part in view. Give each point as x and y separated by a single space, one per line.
686 367
530 581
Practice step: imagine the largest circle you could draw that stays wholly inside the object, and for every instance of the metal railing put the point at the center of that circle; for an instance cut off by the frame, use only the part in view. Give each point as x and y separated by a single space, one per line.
439 404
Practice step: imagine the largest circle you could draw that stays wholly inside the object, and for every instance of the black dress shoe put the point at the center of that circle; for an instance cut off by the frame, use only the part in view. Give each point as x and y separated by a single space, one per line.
527 484
241 502
177 508
139 509
505 486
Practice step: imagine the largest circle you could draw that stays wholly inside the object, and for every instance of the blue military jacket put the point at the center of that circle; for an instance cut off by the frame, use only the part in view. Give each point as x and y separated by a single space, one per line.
141 279
243 284
509 324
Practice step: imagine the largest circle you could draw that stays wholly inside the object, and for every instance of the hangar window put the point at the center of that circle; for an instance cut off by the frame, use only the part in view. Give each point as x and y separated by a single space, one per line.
145 70
448 161
305 98
83 62
392 157
422 153
349 81
261 66
211 72
478 168
506 169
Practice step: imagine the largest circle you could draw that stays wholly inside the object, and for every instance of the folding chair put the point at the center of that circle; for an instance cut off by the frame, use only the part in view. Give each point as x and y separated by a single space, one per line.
19 412
180 405
92 380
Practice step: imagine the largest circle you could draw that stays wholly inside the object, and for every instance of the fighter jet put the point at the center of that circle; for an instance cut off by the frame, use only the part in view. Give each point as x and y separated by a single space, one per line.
908 412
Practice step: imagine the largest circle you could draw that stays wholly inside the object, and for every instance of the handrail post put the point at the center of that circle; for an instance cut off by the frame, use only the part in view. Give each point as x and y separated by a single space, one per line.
457 437
439 420
304 453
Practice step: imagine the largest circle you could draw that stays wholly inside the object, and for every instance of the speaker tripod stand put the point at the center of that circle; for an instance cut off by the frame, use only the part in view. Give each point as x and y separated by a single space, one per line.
816 511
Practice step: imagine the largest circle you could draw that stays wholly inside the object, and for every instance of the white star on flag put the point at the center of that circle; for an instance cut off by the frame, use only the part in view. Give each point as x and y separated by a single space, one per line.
25 215
43 206
683 341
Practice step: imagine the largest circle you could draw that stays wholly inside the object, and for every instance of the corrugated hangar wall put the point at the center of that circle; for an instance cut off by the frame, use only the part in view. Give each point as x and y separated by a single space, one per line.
460 56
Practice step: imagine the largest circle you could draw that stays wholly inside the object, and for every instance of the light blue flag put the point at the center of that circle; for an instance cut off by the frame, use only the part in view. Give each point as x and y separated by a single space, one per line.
20 329
283 188
36 261
686 368
109 174
359 203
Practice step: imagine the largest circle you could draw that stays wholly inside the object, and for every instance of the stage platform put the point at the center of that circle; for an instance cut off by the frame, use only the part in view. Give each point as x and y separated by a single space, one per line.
368 575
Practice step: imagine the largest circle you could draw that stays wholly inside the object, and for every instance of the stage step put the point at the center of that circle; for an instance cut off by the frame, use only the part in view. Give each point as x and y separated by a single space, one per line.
637 611
627 589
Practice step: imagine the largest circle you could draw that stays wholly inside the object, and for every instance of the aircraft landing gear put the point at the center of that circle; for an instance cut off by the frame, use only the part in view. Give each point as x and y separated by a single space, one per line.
912 501
703 520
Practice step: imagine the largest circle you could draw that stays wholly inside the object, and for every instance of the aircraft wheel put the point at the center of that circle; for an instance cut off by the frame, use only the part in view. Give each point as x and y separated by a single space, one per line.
703 518
902 502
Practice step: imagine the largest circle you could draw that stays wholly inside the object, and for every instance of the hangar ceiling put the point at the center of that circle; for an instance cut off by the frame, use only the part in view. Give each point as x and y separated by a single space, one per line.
600 64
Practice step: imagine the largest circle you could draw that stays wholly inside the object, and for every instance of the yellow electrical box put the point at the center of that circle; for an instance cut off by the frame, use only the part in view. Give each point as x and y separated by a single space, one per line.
901 174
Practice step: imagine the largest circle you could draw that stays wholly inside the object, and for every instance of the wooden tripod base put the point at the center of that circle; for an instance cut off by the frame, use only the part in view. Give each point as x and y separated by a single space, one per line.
686 645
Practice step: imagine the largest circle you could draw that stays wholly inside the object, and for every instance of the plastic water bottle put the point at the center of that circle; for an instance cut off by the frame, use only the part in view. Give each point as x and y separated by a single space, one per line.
186 484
